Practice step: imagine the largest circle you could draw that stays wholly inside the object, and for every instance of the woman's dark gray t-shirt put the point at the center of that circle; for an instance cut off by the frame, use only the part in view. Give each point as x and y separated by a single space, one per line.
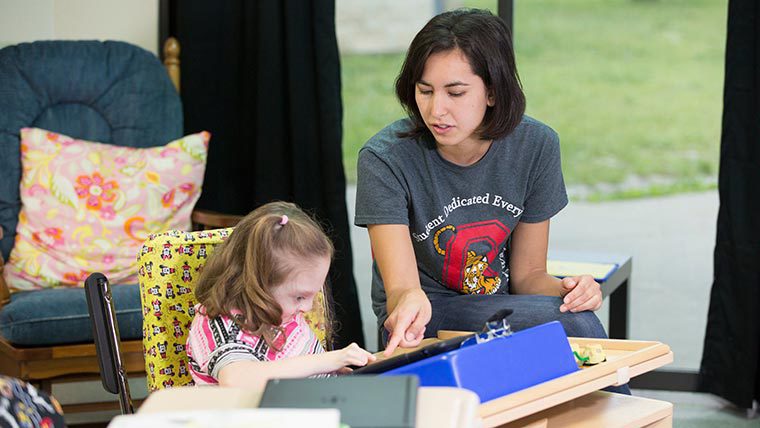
460 218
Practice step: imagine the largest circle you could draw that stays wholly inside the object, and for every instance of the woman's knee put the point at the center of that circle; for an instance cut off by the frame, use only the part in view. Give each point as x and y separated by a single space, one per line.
582 324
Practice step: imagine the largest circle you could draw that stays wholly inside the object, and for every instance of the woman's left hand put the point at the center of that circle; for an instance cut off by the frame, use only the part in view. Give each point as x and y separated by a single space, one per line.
580 293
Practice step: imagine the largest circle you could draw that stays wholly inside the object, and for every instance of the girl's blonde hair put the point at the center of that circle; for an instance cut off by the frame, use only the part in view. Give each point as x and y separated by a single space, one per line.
264 249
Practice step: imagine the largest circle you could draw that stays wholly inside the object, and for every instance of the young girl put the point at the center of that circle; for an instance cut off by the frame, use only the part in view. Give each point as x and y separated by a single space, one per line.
252 294
457 197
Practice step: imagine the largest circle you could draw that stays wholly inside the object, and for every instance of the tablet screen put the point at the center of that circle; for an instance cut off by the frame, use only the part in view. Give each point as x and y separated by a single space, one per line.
397 361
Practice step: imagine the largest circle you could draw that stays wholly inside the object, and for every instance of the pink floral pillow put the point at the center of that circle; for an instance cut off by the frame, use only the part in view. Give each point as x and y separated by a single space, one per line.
87 207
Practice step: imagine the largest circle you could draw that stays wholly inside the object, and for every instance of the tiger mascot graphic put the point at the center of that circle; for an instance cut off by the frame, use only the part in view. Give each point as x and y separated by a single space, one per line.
474 280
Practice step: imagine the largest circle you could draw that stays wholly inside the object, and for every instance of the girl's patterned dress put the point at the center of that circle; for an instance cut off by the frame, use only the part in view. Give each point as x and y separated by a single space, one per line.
216 342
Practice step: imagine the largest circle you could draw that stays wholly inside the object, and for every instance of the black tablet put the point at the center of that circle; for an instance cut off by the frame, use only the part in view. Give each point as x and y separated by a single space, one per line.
397 361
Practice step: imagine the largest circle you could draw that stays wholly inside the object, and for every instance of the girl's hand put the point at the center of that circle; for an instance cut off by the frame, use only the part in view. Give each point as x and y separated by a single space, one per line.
255 374
351 355
406 322
580 293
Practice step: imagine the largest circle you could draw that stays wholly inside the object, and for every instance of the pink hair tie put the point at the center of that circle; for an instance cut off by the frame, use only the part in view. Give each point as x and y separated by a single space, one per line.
284 220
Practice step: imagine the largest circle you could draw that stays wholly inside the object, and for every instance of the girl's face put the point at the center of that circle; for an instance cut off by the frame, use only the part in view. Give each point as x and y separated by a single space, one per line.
452 100
296 294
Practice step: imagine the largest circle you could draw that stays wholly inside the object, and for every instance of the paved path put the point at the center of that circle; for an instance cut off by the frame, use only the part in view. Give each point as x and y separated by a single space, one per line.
671 240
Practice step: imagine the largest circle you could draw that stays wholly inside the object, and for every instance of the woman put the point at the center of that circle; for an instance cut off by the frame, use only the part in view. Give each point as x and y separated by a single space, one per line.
457 197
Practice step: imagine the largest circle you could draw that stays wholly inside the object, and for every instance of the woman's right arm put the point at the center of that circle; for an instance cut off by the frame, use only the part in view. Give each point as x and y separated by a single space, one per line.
255 374
408 307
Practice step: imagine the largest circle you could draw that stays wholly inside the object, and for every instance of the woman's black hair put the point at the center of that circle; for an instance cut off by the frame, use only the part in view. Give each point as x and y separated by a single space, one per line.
486 42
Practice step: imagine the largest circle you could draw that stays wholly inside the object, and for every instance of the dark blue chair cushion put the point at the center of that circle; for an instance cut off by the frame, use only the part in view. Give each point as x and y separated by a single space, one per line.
110 92
58 316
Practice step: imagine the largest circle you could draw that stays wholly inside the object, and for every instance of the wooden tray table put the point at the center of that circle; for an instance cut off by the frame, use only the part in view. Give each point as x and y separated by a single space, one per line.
625 359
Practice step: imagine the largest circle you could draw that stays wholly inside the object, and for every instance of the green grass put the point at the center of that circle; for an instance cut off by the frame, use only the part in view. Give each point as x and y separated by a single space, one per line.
369 102
634 89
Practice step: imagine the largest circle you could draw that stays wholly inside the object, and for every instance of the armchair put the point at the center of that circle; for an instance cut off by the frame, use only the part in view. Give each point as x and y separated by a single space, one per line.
111 92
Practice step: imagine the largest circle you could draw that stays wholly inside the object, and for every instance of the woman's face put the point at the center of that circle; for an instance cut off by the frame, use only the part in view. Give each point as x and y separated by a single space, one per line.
452 100
296 294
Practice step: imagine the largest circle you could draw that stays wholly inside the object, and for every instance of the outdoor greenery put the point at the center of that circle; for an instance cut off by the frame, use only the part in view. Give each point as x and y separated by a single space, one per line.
633 87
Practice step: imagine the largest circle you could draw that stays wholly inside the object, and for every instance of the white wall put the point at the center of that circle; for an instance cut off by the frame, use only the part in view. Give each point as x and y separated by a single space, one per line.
134 21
